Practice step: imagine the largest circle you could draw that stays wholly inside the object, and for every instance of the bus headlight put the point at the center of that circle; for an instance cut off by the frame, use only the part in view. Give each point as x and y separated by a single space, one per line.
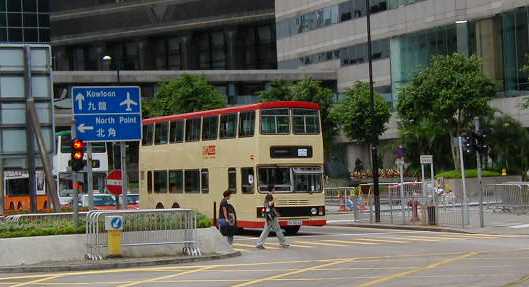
314 211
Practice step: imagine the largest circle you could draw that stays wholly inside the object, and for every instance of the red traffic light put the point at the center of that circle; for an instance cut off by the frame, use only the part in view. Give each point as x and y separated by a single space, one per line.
78 155
78 144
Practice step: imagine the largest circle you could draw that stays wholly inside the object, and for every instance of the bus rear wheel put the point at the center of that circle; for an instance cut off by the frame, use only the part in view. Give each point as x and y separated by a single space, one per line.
292 230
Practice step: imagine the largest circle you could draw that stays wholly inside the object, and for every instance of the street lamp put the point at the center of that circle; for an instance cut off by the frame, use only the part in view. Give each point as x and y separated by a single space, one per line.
108 60
374 141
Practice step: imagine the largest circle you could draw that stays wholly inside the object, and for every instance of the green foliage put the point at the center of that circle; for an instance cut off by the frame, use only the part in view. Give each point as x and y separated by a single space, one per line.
189 93
306 90
354 114
444 99
203 221
10 230
509 144
469 173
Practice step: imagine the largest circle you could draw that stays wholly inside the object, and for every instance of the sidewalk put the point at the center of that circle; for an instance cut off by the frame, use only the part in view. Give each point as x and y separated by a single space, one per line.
511 225
113 263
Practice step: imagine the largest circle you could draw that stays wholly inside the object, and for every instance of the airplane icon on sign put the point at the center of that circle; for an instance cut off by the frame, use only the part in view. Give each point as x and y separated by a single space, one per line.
128 102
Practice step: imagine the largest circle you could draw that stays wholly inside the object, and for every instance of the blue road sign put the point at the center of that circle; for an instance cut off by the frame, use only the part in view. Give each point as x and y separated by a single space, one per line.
117 223
107 114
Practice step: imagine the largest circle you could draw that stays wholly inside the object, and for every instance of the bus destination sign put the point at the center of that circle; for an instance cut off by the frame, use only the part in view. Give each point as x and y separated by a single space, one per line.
291 152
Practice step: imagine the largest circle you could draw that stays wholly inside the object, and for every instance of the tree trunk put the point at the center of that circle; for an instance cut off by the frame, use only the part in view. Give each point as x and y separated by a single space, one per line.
454 150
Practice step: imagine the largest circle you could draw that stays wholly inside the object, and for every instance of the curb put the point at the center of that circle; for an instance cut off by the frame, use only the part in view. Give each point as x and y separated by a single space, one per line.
100 265
404 227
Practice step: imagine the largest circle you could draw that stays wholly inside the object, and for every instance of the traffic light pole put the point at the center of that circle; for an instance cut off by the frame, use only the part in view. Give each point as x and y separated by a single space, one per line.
89 175
478 164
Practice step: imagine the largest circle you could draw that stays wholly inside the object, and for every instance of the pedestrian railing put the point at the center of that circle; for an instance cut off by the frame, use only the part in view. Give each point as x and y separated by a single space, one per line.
43 218
511 198
144 228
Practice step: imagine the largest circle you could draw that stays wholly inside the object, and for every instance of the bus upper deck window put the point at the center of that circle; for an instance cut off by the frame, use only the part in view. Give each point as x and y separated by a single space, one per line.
210 127
161 133
193 130
275 121
305 121
228 126
147 135
177 131
246 124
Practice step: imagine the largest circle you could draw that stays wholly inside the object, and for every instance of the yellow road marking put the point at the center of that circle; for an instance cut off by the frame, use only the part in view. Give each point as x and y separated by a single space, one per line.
301 246
241 250
320 243
416 270
350 242
253 282
253 246
382 240
417 238
35 281
444 237
136 283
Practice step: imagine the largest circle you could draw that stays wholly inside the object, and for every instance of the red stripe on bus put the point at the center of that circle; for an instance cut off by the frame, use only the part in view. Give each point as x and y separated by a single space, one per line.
260 224
245 108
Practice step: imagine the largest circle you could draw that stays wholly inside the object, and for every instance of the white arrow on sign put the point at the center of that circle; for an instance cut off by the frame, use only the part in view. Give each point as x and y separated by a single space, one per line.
128 102
79 98
82 128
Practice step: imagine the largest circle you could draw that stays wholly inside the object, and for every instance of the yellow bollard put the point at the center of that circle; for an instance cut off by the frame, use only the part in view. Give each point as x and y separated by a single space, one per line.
115 237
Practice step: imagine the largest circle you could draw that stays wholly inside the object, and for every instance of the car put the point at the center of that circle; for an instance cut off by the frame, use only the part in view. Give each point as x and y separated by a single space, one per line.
133 201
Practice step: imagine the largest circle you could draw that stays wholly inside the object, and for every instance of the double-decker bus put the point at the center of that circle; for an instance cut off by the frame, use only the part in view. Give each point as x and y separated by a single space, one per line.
189 160
16 191
61 171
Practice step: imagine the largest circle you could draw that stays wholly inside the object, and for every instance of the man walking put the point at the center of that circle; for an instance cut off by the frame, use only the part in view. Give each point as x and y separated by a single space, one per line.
272 223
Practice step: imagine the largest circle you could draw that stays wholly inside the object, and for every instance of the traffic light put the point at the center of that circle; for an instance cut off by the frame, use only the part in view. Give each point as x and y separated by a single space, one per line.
76 162
476 141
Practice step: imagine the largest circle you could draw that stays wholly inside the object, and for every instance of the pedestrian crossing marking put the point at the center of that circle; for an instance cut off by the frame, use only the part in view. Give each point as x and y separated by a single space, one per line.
320 243
350 242
301 246
240 250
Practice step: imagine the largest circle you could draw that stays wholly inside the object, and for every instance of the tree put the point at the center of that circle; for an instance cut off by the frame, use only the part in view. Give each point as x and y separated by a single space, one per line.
189 93
354 114
305 90
449 94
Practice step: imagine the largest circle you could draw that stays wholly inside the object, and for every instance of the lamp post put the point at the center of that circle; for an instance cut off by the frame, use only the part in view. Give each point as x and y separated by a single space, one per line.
123 147
374 141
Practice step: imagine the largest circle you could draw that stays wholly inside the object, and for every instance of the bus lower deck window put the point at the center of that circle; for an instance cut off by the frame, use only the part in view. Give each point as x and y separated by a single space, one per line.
192 181
176 181
160 181
149 181
204 181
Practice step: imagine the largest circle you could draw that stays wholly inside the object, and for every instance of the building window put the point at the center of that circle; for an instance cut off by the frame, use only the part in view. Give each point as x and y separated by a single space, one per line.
228 126
176 181
149 181
161 133
232 180
275 121
305 121
209 128
174 54
204 181
247 180
192 181
177 131
148 131
193 130
160 181
246 124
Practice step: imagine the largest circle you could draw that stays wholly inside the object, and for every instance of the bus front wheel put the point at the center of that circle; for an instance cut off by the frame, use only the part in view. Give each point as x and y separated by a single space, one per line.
292 230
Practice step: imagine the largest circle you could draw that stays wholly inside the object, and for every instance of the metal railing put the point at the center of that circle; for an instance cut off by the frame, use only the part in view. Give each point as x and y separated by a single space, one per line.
509 198
144 228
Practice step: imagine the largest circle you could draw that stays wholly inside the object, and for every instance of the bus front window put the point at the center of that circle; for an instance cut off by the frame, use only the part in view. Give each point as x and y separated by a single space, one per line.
274 177
17 186
307 179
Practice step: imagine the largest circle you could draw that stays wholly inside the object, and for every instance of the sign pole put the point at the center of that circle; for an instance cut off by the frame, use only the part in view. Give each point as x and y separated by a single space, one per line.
90 176
478 163
124 178
402 205
464 201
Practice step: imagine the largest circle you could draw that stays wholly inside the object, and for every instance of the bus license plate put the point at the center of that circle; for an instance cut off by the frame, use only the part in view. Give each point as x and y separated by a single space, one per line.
295 222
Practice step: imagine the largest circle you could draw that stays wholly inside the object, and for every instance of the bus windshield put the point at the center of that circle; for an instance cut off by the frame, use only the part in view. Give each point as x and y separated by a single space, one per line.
290 179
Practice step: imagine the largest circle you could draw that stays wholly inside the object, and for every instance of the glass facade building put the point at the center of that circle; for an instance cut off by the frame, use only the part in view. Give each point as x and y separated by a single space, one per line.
24 21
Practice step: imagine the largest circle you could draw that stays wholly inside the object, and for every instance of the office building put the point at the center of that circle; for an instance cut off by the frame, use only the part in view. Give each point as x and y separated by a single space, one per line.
24 21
